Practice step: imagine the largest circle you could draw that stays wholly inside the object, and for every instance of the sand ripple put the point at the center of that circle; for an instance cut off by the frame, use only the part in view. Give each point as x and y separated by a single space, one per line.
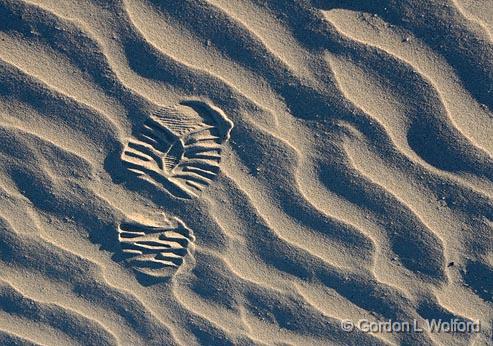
324 162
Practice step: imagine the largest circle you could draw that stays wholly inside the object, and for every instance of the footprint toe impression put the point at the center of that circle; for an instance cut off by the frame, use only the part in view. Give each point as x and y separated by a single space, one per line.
179 148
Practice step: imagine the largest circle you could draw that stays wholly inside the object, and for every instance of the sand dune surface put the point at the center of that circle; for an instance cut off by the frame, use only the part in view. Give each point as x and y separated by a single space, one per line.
245 172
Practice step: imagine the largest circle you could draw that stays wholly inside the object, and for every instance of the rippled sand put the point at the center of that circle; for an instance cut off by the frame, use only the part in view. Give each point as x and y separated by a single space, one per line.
233 172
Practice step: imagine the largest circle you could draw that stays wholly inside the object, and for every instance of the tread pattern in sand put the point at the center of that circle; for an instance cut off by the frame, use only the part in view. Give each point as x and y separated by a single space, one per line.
179 148
155 250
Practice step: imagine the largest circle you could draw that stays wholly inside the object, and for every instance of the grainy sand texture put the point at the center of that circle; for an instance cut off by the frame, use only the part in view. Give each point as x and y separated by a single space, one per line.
246 172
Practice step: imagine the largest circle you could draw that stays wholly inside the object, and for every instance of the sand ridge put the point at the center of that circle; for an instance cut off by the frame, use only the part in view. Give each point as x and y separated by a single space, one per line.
244 172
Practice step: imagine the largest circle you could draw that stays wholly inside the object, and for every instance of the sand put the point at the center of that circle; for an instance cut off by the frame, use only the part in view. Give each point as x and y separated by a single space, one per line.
245 172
